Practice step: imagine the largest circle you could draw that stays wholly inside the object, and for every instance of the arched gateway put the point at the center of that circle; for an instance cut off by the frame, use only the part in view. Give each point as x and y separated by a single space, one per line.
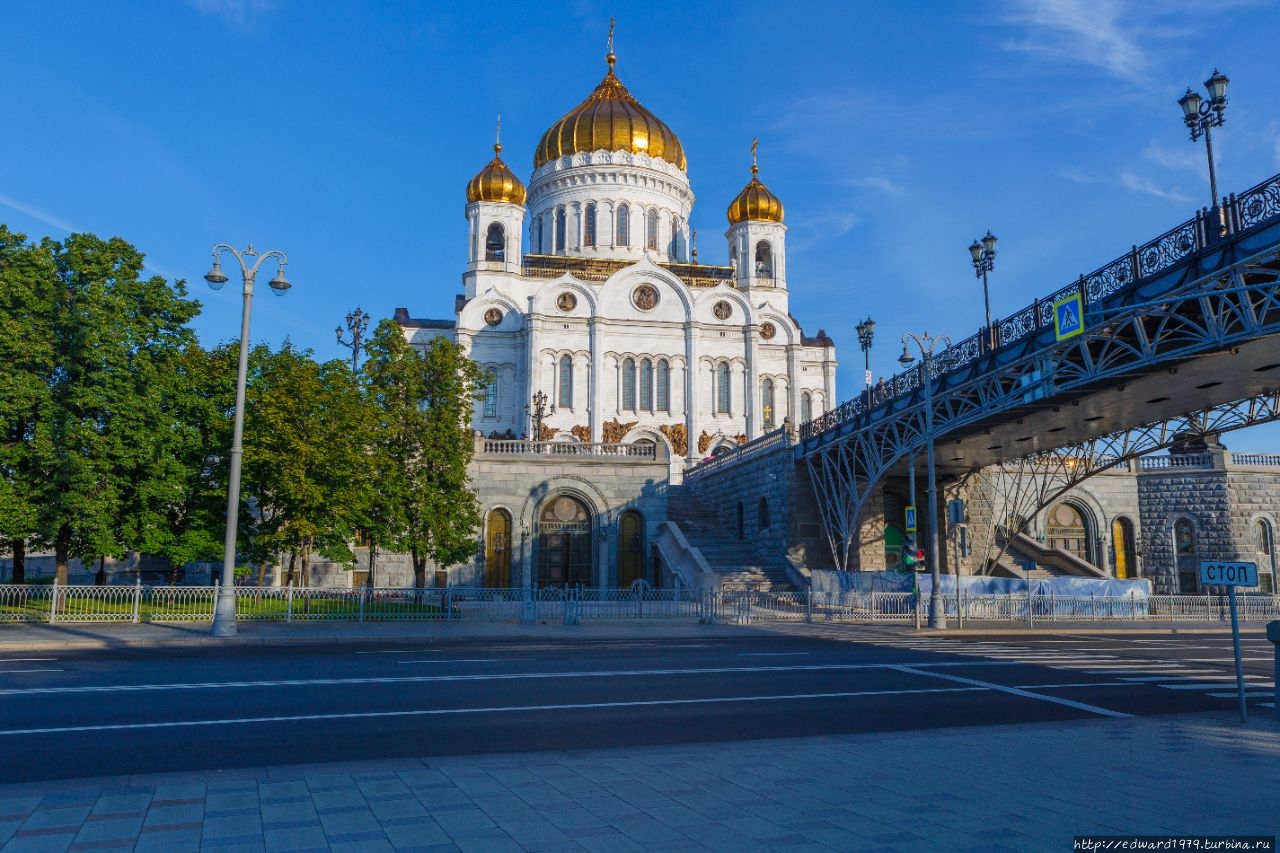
564 542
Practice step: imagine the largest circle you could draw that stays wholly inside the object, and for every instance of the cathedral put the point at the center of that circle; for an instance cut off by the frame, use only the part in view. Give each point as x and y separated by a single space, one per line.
585 299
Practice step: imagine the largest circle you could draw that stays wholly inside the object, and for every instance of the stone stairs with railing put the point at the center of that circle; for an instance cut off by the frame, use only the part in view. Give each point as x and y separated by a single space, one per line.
737 561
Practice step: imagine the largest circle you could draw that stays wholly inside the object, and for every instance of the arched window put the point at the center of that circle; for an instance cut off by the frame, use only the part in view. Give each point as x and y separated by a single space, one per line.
651 229
722 388
589 225
764 259
766 402
646 385
1264 555
664 385
1122 541
629 384
560 230
673 247
806 407
1068 530
491 398
537 239
624 226
762 514
1184 556
495 243
566 381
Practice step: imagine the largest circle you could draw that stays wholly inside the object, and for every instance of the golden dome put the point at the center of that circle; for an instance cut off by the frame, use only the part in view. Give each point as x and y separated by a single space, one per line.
610 120
755 202
496 182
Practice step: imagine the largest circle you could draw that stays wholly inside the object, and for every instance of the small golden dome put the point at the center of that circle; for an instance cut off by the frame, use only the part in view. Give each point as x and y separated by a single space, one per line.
610 120
755 202
496 182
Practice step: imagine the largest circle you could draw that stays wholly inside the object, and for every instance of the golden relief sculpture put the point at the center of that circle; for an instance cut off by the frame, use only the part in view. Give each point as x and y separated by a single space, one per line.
582 433
741 438
546 433
614 431
704 441
678 435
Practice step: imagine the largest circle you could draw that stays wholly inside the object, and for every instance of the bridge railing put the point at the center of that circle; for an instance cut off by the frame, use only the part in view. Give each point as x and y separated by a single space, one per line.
1256 206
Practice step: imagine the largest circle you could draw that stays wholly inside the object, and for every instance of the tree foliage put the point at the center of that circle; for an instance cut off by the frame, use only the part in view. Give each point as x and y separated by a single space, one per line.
423 444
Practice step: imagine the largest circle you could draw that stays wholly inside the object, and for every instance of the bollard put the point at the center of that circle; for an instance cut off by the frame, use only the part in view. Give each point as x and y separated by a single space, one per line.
808 604
1273 634
137 598
53 601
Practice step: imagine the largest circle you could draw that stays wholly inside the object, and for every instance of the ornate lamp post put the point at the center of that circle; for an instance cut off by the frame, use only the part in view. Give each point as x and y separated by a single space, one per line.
937 618
224 612
1201 115
357 323
538 412
984 261
866 331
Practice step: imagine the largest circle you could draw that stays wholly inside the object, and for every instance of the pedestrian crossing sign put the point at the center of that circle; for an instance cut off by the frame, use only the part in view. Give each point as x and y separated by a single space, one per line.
1068 317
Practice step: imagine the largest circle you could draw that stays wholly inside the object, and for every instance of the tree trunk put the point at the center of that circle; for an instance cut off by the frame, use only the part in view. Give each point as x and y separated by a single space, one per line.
262 574
293 561
419 569
306 564
100 579
373 563
19 560
61 554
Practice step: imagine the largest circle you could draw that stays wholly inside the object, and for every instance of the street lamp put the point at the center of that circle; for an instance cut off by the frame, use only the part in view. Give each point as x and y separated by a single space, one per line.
866 331
357 322
537 413
984 261
1201 115
937 618
224 611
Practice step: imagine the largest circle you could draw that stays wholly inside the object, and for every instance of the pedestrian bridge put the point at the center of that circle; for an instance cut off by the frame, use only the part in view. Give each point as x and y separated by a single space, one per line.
1179 340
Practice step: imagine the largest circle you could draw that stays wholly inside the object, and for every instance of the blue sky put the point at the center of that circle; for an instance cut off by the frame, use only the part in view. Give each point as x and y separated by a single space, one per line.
895 133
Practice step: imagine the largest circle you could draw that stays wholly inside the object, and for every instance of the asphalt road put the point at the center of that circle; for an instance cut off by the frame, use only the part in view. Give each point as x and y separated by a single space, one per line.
73 714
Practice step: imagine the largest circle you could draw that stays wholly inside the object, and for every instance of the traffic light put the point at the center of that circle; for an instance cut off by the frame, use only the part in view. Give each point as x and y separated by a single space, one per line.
913 558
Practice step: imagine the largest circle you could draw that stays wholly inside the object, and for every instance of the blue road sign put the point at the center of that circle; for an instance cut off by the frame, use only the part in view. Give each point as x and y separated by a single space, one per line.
1068 317
1219 573
911 520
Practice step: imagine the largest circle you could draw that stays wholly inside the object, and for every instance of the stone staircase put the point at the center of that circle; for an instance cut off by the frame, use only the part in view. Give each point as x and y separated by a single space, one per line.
737 561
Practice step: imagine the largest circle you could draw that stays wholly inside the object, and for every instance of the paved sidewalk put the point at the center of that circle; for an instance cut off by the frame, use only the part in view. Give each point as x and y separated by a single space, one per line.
36 635
1029 787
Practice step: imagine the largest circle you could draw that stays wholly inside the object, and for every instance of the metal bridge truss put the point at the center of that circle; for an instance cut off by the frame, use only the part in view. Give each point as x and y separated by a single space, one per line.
1018 489
1217 298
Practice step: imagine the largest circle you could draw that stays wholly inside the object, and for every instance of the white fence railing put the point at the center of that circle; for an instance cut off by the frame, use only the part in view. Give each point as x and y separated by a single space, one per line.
137 603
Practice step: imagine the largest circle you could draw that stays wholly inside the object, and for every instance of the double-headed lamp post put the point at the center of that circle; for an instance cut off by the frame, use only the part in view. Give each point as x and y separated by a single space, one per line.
538 410
984 261
1201 115
866 331
224 611
937 618
357 323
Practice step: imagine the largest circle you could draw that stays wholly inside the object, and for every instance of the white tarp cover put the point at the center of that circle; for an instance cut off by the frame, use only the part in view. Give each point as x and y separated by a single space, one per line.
826 581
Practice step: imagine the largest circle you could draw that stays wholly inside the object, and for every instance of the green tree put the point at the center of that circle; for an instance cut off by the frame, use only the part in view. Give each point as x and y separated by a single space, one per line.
422 445
106 444
28 290
305 431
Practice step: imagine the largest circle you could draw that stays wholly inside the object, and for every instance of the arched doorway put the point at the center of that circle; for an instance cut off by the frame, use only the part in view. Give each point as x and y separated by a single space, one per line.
1126 553
1264 555
1069 530
564 542
630 548
497 550
1185 560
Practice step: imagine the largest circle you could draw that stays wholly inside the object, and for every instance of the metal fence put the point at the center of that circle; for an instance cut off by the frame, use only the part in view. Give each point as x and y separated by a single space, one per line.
571 605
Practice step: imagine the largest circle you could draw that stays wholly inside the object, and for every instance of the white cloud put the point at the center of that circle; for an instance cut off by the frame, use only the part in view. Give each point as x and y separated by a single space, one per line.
1079 176
880 184
1130 181
39 215
240 14
1187 158
1088 31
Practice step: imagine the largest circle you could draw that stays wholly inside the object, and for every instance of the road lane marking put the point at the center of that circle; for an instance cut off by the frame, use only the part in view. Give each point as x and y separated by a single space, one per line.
1078 684
441 712
12 671
1206 686
496 676
1248 694
460 660
23 660
403 652
1026 694
772 654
